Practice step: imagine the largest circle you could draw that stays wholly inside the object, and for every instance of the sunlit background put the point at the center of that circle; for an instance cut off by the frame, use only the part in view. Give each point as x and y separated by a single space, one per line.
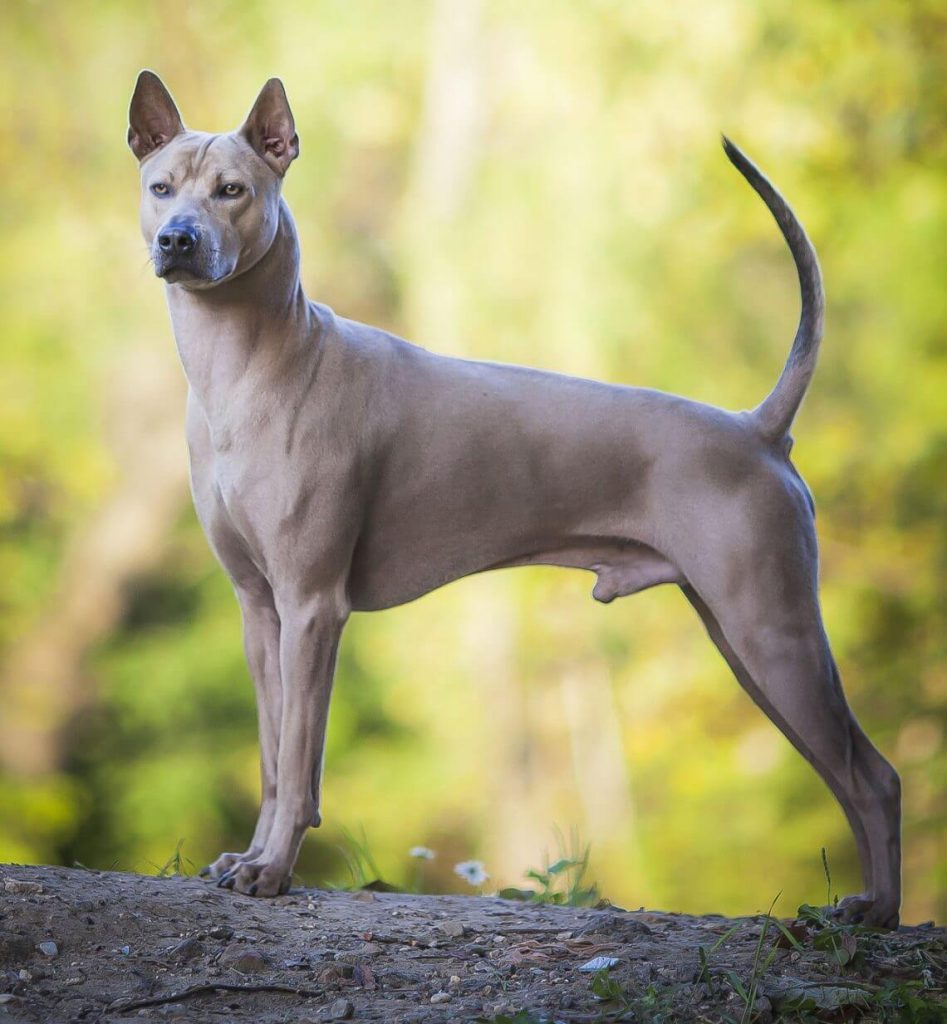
538 182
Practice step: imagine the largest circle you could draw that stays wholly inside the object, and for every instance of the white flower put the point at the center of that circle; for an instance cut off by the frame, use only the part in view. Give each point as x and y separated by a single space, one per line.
471 871
421 853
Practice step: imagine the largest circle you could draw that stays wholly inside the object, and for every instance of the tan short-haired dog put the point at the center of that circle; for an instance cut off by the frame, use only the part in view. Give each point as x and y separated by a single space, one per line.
336 467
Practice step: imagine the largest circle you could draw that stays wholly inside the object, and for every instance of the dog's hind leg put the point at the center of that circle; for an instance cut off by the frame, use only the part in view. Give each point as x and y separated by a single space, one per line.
753 579
778 650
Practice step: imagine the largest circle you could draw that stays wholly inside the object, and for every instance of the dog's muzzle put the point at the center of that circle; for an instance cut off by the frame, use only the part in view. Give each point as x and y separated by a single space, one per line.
177 248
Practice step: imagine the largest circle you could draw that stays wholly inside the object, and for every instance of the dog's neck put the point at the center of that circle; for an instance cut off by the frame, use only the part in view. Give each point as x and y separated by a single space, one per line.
248 329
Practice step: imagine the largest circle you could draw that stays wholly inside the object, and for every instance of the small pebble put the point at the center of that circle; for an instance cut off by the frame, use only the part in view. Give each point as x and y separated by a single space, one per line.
440 997
341 1009
248 963
333 974
20 887
48 948
187 949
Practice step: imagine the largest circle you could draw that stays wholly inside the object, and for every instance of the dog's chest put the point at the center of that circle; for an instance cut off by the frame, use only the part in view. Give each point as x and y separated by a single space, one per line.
249 492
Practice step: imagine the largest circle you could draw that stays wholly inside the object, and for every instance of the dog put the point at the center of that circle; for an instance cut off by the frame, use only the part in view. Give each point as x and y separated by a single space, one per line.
335 467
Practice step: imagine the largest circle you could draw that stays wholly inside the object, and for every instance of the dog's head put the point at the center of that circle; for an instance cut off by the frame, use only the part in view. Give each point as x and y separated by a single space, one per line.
209 203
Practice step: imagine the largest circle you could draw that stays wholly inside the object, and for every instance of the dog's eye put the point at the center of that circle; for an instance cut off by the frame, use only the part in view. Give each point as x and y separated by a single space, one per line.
160 189
232 190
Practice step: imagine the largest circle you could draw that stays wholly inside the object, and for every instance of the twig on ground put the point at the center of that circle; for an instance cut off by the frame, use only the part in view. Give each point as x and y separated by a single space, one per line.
196 990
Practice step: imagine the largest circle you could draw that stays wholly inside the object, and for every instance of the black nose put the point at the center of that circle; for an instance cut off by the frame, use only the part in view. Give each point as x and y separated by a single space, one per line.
181 238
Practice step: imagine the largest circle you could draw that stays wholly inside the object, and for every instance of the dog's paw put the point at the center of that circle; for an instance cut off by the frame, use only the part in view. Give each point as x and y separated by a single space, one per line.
225 863
866 910
256 878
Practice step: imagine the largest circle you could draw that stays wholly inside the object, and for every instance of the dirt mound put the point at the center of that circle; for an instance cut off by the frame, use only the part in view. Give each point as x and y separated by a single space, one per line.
93 946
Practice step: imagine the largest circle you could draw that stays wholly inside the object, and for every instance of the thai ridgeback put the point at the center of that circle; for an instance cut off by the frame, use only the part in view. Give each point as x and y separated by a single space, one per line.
336 467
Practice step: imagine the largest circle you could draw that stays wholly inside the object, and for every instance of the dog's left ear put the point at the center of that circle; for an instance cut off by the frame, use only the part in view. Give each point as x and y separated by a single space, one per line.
270 128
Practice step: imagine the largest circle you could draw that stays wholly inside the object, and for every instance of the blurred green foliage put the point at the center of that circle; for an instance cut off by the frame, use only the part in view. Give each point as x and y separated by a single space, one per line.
536 183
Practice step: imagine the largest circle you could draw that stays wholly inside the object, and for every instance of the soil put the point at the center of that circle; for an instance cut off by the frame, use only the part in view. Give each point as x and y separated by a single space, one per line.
97 947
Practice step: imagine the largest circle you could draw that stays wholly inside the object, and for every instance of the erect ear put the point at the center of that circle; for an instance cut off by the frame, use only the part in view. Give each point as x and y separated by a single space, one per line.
270 128
153 119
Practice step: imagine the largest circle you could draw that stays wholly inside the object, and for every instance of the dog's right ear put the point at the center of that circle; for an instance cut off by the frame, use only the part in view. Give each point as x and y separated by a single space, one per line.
153 119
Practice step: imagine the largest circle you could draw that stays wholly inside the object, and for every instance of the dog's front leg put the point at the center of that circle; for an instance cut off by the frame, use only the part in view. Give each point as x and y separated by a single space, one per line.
309 641
261 640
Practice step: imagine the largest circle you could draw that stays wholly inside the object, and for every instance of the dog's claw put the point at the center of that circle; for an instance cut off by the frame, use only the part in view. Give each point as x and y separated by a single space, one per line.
862 910
252 890
204 871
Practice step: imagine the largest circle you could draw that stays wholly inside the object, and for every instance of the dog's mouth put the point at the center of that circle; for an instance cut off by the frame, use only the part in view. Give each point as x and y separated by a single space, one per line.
195 274
174 275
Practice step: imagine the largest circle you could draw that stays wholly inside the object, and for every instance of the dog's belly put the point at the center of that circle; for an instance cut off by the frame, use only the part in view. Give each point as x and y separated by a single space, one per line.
621 566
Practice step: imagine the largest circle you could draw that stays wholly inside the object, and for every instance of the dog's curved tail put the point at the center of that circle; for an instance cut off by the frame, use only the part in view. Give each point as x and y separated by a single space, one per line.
776 412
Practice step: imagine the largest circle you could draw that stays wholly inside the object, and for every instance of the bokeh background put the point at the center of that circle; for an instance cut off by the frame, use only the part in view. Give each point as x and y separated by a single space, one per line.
538 182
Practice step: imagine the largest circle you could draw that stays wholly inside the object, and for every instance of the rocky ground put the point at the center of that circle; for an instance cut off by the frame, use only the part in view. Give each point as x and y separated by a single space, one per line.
99 947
